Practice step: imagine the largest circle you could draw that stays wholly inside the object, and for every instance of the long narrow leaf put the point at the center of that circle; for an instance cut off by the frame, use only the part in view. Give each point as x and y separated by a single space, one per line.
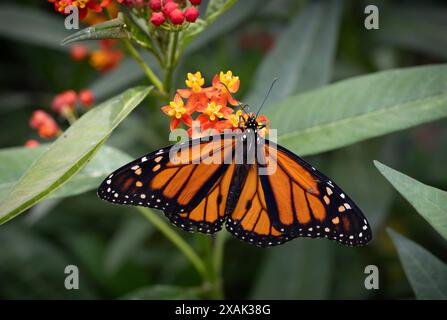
431 203
68 155
360 108
426 273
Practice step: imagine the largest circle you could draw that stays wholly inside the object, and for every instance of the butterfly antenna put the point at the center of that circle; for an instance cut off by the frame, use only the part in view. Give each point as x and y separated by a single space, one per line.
266 96
243 106
240 104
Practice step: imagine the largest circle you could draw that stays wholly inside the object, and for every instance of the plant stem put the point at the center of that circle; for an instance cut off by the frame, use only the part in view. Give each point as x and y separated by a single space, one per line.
172 61
212 255
217 261
147 70
181 244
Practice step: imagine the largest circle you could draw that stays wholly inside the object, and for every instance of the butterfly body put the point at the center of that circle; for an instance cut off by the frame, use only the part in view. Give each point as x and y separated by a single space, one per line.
263 193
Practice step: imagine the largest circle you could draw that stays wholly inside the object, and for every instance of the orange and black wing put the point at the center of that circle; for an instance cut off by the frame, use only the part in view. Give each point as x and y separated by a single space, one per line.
189 182
294 200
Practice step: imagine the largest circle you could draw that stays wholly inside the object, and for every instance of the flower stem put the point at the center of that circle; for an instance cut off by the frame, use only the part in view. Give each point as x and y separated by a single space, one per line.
181 244
69 114
172 61
217 262
147 70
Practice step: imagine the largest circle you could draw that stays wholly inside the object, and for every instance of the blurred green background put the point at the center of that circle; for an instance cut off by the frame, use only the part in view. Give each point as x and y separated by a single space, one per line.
121 255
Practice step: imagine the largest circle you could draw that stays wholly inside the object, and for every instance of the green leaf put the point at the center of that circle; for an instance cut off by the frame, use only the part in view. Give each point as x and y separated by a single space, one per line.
110 29
431 203
416 27
15 161
300 269
32 267
303 56
128 238
426 273
22 23
193 30
216 8
318 69
163 292
128 73
71 151
360 108
240 12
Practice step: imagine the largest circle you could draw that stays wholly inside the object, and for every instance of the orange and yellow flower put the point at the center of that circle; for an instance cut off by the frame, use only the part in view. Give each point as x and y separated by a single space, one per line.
224 85
211 106
83 5
178 112
106 58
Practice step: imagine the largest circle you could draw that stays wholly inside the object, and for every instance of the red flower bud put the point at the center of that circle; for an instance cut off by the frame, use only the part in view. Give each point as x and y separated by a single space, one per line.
32 143
155 5
169 7
87 98
78 52
38 118
66 99
157 18
195 2
176 16
49 129
191 14
44 123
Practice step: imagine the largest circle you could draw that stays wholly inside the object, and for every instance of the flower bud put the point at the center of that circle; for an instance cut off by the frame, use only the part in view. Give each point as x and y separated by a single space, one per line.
191 14
32 143
87 98
78 52
38 118
155 5
169 7
49 129
177 17
195 2
157 18
66 99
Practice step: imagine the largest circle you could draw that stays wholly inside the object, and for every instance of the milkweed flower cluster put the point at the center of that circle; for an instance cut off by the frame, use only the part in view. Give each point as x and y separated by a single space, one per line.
212 107
65 105
68 100
84 6
104 59
107 57
173 12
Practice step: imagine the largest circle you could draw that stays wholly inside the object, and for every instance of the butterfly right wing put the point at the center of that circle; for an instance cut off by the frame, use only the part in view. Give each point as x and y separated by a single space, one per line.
294 200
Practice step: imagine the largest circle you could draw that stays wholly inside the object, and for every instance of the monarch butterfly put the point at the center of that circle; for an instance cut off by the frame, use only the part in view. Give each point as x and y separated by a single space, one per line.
295 200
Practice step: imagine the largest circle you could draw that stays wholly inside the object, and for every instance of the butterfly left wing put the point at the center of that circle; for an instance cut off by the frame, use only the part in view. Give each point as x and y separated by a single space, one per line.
188 183
294 200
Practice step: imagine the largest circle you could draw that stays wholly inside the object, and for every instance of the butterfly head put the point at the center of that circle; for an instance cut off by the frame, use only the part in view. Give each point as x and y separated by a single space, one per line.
250 121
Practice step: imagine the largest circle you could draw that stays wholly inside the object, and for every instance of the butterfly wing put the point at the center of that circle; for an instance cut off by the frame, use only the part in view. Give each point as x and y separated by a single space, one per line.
249 220
294 200
189 182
